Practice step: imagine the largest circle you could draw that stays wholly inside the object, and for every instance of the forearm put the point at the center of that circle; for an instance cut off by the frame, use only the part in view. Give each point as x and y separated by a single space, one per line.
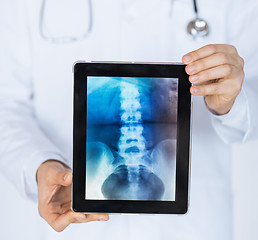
23 147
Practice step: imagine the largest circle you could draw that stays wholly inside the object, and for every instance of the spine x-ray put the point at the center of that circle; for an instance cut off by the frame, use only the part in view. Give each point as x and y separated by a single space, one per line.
131 138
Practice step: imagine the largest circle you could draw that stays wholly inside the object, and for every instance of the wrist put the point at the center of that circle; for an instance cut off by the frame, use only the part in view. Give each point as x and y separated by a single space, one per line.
219 109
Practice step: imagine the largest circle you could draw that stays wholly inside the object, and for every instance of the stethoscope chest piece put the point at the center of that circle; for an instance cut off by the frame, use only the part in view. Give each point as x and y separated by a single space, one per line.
198 28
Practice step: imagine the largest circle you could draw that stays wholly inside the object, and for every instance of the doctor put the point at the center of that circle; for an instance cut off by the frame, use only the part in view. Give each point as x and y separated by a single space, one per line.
36 102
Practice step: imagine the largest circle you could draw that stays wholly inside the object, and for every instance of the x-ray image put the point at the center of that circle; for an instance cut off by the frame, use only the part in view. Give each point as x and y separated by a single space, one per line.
131 138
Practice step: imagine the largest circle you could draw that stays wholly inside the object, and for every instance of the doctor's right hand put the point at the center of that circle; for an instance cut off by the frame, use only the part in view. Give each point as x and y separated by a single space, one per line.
54 197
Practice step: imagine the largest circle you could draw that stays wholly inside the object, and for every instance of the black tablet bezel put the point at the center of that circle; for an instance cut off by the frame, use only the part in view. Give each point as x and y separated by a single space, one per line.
166 70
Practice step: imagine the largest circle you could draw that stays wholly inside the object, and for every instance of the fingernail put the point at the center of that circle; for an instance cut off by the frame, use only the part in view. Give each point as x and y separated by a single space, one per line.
67 176
195 90
194 78
190 68
103 218
187 59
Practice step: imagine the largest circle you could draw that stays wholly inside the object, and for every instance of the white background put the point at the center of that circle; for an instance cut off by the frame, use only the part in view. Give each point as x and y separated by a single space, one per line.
19 218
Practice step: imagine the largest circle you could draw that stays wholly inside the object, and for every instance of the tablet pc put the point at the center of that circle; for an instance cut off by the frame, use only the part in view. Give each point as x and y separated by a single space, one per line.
131 139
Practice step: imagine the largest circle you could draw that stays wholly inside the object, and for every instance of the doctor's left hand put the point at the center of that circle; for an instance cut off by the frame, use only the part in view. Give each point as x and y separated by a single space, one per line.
217 73
54 197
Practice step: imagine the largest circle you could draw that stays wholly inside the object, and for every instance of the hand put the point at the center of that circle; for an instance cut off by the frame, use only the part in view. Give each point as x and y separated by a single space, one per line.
54 197
216 72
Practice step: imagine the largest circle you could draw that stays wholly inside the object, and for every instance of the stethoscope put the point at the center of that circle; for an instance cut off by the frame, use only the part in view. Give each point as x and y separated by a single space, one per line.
197 28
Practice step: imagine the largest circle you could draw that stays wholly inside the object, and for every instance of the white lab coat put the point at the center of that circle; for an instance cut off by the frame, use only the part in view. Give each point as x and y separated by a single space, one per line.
36 98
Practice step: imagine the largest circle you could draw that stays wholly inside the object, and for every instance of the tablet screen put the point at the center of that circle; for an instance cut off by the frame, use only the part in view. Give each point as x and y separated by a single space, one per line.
131 138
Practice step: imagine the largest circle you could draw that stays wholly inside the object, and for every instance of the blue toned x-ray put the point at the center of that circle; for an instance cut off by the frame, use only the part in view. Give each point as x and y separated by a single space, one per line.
131 138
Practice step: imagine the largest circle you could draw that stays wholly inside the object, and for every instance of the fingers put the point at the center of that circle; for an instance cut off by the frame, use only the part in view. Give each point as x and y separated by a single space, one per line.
214 62
204 90
211 61
54 197
60 222
97 217
207 51
222 88
218 72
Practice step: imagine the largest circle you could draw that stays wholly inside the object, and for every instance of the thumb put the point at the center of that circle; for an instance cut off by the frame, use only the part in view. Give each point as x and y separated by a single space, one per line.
63 178
60 174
